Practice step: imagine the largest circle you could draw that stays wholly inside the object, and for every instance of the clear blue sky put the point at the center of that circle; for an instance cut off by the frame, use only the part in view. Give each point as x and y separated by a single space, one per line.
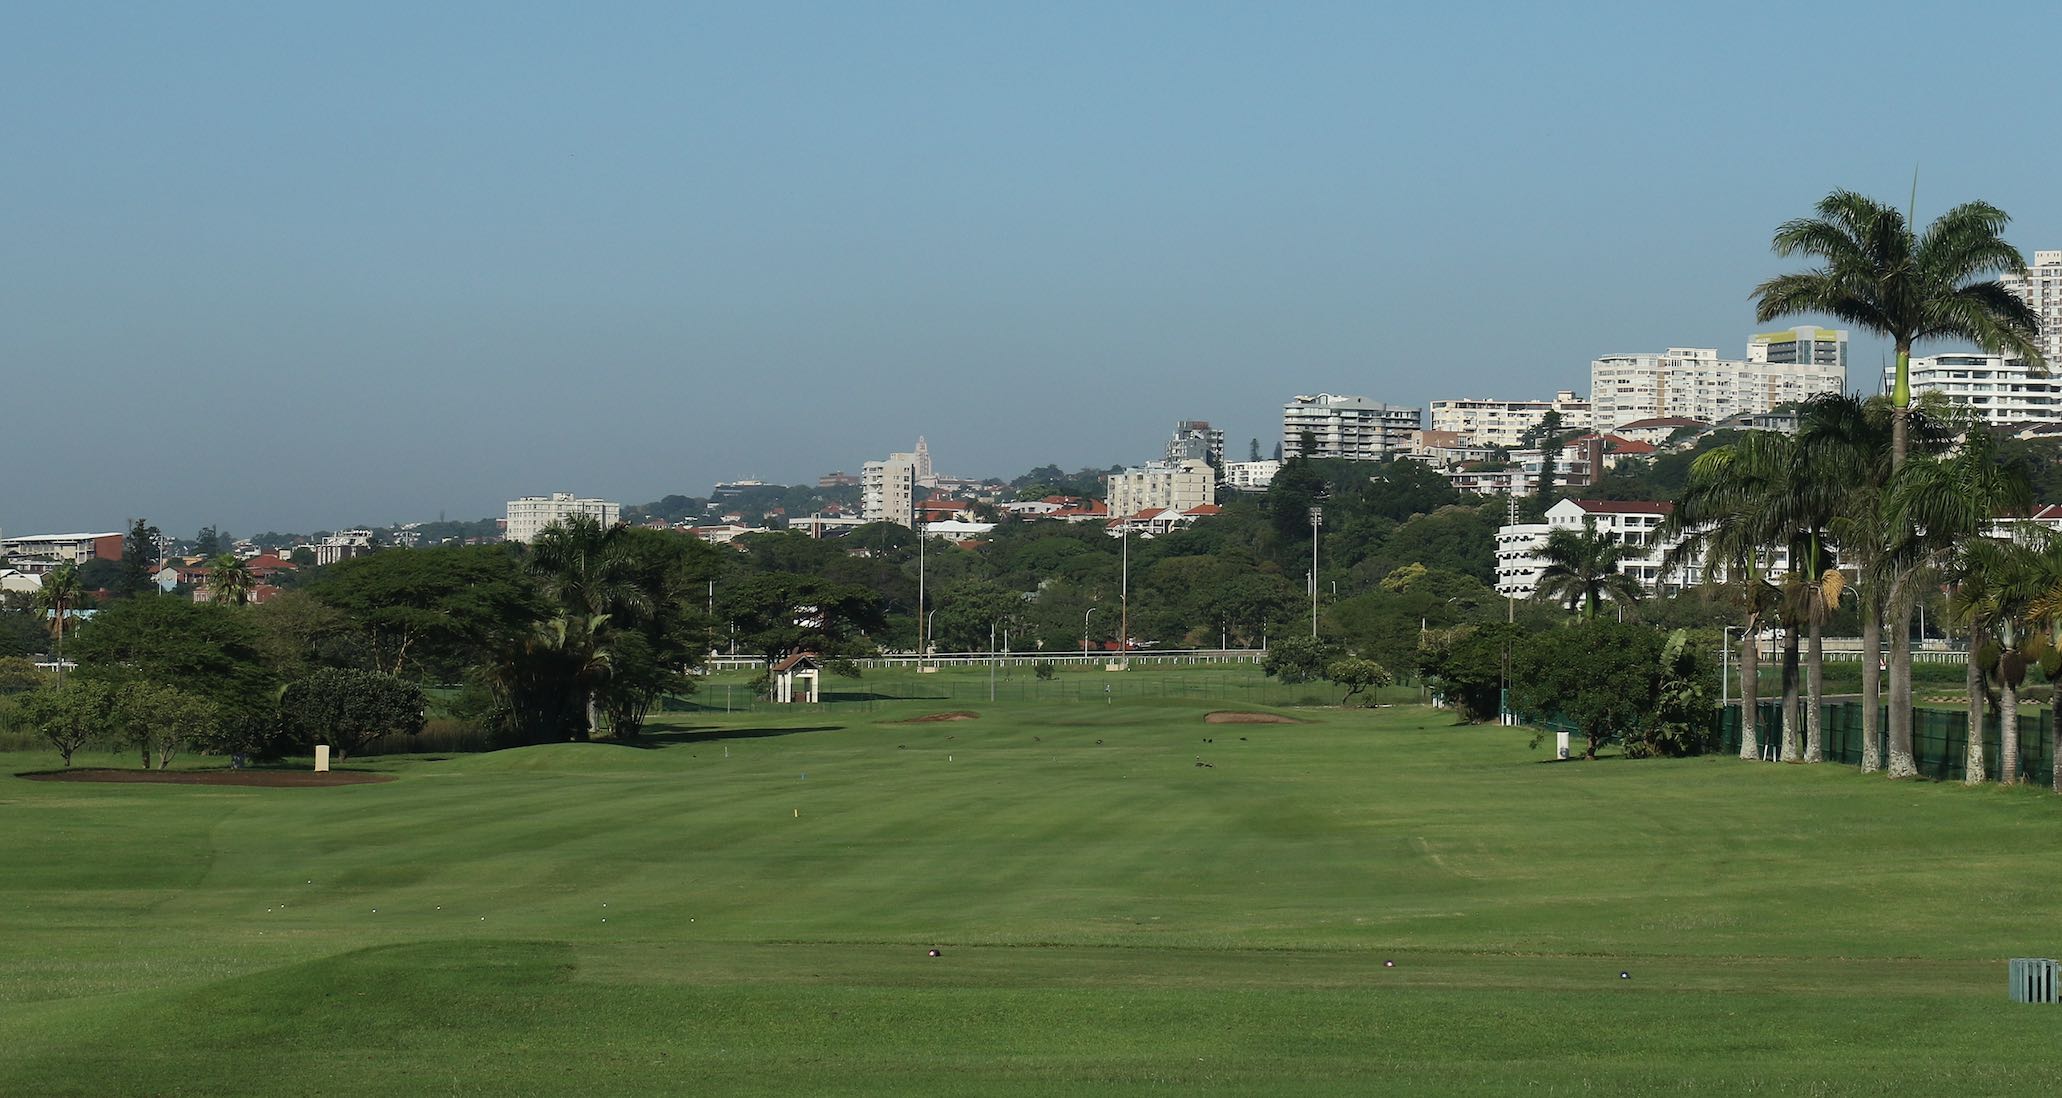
295 266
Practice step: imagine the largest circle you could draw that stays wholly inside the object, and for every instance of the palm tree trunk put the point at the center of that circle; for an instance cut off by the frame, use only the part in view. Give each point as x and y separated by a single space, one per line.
1901 764
1872 685
1793 730
1814 692
1750 744
2008 732
1973 770
2055 732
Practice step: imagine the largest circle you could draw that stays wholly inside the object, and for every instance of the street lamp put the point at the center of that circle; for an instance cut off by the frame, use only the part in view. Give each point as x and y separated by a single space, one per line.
921 652
1084 631
1317 519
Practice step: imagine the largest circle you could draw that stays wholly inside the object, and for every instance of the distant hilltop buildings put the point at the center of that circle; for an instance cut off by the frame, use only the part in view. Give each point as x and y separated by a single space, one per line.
1694 383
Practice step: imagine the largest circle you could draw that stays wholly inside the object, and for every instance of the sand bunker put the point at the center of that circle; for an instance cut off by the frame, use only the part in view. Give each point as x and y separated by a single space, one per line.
955 715
1227 717
276 779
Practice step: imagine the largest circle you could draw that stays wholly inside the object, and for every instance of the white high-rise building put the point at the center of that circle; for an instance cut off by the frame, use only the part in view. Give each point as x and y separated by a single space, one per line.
1168 485
2041 287
1998 389
1350 427
887 489
1503 423
1250 476
1195 438
1694 383
528 516
1636 525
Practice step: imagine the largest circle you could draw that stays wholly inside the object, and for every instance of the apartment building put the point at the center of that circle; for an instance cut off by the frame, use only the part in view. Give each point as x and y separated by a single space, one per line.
887 490
1634 524
1250 476
1351 427
65 548
1167 485
1195 438
2040 286
1805 343
1694 383
528 516
1998 389
1504 423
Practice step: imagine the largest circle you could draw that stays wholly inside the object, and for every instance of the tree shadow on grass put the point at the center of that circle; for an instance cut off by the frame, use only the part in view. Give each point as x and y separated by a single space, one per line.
652 741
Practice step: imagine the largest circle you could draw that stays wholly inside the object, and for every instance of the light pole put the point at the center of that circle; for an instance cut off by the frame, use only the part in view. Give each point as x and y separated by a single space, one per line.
1317 519
991 661
923 643
1084 630
1124 600
927 638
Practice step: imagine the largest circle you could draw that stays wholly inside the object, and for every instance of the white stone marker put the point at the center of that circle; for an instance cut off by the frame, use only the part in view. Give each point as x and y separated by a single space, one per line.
322 758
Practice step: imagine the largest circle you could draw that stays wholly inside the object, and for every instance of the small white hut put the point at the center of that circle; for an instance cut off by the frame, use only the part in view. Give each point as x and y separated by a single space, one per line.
797 678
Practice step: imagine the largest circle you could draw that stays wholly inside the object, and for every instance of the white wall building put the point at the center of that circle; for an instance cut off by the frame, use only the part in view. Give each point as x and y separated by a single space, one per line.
1998 389
528 516
1503 423
1172 486
2041 287
1195 438
887 489
1250 476
1349 427
1694 383
1635 524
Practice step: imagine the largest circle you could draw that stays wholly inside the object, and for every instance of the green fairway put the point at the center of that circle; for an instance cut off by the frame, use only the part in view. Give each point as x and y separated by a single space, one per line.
745 906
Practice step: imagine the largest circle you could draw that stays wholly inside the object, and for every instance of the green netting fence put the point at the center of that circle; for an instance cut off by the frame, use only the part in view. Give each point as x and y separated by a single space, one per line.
1940 737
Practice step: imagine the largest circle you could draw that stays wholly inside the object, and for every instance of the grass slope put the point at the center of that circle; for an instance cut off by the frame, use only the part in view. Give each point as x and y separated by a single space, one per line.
699 915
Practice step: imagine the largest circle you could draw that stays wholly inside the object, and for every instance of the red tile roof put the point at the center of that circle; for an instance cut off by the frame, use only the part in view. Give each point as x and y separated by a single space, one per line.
1625 506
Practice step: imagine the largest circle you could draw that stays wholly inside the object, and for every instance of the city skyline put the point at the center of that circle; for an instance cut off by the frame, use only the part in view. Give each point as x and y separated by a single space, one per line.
295 270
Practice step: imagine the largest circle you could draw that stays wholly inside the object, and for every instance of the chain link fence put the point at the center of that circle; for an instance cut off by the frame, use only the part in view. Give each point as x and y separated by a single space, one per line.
1940 737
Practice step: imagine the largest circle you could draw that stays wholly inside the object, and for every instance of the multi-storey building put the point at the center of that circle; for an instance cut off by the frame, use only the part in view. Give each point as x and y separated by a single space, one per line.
1504 423
528 516
1350 427
1694 383
887 489
1195 438
1250 476
1802 344
2041 287
1169 485
65 548
1637 525
1998 389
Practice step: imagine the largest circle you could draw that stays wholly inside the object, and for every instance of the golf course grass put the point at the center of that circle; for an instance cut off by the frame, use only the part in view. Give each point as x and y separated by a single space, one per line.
746 905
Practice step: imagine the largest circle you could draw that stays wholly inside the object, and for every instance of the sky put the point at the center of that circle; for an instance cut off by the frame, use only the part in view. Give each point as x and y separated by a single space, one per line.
297 267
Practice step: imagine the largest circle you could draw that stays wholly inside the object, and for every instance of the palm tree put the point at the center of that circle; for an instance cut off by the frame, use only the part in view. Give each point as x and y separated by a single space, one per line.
1582 568
586 571
230 579
1764 491
61 592
2044 620
1877 274
1715 535
1949 503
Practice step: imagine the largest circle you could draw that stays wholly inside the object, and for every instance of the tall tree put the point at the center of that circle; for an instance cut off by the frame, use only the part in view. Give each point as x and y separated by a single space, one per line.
1877 273
139 560
60 593
1949 503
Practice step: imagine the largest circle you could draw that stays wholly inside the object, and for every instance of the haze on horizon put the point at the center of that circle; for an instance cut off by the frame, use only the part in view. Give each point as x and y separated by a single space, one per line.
295 269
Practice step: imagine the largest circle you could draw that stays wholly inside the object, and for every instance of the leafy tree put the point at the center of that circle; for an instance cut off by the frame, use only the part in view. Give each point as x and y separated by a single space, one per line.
298 632
1683 721
1295 660
351 710
779 614
160 721
432 611
21 635
209 543
71 719
201 648
1357 675
1601 675
1467 666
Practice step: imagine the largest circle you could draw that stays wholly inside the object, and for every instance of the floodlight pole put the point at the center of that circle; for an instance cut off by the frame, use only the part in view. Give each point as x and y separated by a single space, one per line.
923 643
1124 599
1317 519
